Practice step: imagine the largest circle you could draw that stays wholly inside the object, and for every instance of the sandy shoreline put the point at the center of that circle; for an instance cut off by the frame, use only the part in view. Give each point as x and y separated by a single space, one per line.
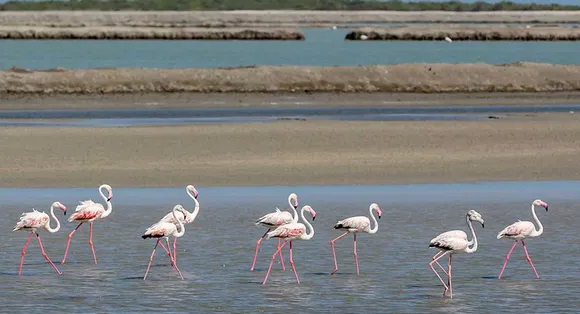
271 18
517 147
413 78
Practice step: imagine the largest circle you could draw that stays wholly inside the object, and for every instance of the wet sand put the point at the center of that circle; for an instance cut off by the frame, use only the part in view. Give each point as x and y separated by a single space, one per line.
515 147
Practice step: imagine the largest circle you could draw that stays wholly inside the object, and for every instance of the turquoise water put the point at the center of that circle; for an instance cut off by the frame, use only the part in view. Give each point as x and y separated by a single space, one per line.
324 47
216 252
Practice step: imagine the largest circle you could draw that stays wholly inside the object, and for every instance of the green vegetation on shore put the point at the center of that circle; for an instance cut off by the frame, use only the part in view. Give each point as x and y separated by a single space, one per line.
395 5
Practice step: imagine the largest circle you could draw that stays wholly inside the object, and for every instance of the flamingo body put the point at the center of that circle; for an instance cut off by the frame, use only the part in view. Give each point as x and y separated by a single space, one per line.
160 230
32 221
454 241
518 231
87 211
354 224
291 231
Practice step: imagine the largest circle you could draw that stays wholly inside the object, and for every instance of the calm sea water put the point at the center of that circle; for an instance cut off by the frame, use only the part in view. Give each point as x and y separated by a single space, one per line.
216 252
324 47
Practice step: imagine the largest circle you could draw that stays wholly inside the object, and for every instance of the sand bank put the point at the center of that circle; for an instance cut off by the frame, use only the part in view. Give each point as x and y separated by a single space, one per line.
524 147
424 78
126 33
463 32
269 18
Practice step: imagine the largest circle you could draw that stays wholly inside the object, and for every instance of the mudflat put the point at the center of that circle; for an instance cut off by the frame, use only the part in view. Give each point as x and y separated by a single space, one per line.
515 147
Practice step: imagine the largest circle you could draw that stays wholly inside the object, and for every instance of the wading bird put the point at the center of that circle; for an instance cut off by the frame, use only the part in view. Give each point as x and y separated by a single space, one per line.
521 230
32 221
354 225
454 242
165 230
274 220
290 232
89 211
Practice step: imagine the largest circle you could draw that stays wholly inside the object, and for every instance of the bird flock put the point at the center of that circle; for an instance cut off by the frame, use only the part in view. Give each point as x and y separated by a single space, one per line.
283 225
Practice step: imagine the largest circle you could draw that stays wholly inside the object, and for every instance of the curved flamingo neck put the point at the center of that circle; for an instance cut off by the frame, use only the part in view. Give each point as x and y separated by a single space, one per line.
295 218
47 226
181 228
540 226
474 238
196 209
107 201
376 227
307 235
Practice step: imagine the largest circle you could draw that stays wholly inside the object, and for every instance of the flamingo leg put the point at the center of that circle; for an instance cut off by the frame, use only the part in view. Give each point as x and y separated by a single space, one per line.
437 262
46 255
174 261
258 248
530 260
356 255
281 257
168 253
272 261
292 264
449 292
24 252
151 259
507 259
174 250
68 243
334 253
435 259
91 241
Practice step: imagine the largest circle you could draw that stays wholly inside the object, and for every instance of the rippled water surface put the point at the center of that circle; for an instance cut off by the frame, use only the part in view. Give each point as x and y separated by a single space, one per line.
216 252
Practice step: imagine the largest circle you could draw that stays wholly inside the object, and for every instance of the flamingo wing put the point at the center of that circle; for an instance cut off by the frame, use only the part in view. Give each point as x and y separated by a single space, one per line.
83 205
520 228
274 219
358 223
287 231
448 242
33 219
159 230
88 212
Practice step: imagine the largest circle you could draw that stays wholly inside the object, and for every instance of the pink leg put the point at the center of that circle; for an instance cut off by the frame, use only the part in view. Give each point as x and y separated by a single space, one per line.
168 252
151 259
68 243
272 262
24 252
530 260
46 256
355 255
437 262
435 259
175 266
292 264
174 250
449 292
281 257
91 242
257 249
507 259
334 253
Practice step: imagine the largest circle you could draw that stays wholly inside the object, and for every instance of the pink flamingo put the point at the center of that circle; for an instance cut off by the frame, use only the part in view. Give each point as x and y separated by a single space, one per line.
89 211
354 225
32 221
454 242
163 229
274 220
521 230
290 232
183 215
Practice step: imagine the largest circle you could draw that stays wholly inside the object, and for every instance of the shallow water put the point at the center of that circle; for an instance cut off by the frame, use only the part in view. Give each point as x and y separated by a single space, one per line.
149 117
322 47
216 252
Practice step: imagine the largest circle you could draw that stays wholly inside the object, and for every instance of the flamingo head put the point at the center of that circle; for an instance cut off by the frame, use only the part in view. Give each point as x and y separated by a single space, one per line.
309 209
541 203
193 191
376 207
61 206
109 191
293 199
475 216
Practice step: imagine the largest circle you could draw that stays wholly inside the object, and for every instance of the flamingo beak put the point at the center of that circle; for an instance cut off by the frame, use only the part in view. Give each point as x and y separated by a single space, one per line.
482 225
63 209
546 207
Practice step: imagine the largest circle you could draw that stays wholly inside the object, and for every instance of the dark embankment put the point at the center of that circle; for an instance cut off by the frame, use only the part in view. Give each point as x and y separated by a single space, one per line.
423 78
127 33
271 18
461 32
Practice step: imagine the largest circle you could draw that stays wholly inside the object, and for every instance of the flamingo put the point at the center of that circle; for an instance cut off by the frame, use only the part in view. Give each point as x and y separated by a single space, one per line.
521 230
163 229
274 220
454 242
89 211
354 225
184 216
32 221
290 232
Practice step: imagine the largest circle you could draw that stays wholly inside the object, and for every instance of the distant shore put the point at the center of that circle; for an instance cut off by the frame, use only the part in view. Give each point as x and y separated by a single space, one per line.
414 78
281 18
464 32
